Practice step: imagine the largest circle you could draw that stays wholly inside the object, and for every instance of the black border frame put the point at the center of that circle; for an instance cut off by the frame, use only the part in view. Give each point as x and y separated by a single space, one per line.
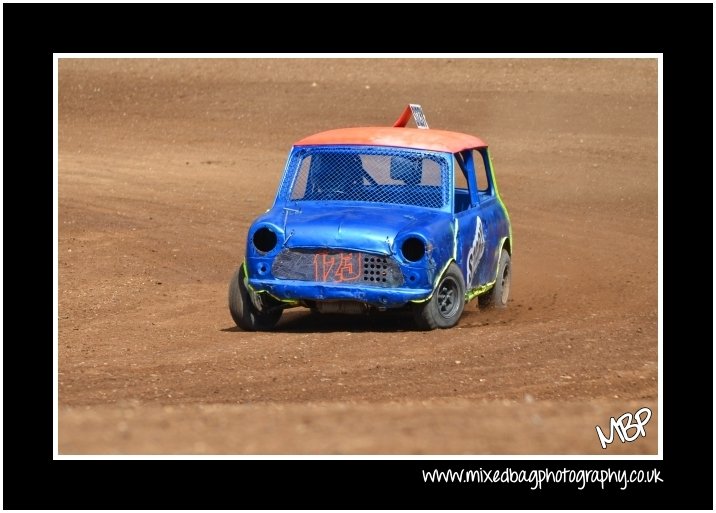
32 33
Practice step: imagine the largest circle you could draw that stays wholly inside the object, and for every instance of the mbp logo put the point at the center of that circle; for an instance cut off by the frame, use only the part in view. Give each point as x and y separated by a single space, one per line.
623 424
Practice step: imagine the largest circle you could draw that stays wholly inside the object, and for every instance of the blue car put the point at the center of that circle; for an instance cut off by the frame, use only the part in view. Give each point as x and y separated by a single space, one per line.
376 219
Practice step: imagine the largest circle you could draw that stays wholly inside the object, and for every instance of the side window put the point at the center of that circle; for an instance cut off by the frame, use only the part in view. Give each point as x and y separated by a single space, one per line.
483 184
460 180
462 192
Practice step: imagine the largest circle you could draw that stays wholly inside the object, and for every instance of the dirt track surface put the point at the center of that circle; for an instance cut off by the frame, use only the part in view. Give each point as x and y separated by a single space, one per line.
163 164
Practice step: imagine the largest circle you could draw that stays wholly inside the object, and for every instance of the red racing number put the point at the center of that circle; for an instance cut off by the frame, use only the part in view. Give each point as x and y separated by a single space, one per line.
337 267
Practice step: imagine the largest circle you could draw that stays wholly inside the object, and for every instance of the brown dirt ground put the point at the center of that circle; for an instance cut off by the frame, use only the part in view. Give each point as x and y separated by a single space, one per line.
164 163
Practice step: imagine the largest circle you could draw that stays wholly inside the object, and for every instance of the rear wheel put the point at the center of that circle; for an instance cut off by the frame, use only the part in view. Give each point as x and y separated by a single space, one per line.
497 296
444 308
245 314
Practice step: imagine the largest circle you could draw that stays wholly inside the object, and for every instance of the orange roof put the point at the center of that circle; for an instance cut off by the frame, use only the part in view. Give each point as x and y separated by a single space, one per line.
418 138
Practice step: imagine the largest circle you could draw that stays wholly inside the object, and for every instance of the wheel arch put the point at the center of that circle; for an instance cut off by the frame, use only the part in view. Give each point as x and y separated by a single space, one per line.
507 245
438 277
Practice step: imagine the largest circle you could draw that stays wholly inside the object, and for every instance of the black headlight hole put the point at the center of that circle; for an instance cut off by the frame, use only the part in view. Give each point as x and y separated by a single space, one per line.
265 240
413 249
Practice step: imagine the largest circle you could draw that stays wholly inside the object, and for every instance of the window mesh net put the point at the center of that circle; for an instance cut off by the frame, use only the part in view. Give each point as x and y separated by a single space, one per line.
401 177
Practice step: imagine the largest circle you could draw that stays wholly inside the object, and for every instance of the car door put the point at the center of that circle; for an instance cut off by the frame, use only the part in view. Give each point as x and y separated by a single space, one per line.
480 216
472 228
491 214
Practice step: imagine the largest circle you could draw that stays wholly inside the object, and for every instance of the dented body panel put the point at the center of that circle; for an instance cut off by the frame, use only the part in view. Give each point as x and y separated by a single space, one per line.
329 236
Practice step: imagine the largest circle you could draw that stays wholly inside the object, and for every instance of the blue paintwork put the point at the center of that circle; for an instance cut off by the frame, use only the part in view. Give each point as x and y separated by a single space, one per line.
448 232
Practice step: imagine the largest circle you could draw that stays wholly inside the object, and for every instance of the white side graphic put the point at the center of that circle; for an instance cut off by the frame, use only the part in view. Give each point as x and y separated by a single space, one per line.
475 254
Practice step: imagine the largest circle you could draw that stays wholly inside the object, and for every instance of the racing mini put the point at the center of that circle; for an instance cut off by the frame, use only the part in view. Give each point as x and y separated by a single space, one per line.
378 218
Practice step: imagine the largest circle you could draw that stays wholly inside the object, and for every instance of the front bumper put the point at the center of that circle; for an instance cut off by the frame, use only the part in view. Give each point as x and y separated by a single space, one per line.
312 291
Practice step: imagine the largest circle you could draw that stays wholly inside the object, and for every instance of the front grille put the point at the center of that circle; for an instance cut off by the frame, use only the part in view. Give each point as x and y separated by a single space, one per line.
349 267
375 269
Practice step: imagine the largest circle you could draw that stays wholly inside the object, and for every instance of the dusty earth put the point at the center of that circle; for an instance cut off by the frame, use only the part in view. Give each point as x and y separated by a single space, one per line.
163 164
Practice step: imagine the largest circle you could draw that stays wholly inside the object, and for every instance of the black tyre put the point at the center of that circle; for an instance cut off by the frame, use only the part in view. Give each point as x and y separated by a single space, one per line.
245 314
497 296
444 308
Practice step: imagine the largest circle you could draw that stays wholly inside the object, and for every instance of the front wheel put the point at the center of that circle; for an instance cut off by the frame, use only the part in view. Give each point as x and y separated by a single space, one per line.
444 308
245 314
497 296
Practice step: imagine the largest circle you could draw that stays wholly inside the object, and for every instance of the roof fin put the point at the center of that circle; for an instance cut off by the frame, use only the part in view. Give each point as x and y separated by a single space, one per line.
417 112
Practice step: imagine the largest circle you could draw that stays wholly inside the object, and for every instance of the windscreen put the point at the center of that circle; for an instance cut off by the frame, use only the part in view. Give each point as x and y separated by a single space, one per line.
359 174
